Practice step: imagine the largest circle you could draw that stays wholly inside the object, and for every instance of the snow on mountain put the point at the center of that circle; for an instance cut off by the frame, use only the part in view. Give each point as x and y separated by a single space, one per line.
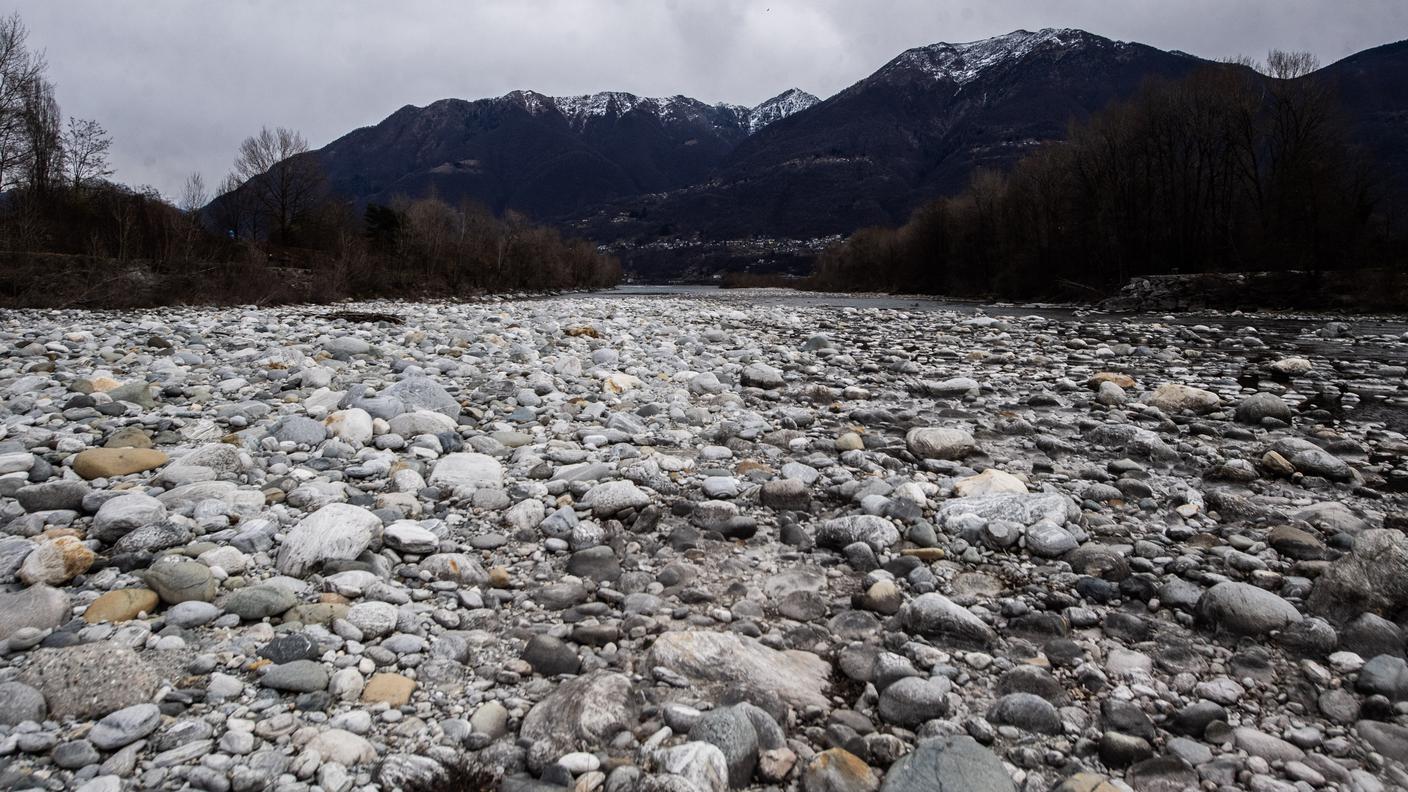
787 103
579 109
964 62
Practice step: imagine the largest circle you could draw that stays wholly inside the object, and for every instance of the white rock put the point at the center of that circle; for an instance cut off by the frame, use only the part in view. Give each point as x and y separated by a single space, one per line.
467 471
336 531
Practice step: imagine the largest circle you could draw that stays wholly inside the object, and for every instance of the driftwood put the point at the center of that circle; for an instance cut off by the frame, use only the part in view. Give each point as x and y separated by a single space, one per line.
364 316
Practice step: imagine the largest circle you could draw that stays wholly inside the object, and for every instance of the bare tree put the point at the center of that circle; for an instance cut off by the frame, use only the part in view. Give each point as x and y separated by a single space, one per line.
86 146
20 71
284 179
194 196
1290 65
43 137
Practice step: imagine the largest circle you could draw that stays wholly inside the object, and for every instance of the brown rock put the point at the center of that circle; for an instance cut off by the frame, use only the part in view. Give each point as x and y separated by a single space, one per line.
121 605
1123 380
392 689
56 561
838 770
129 437
108 462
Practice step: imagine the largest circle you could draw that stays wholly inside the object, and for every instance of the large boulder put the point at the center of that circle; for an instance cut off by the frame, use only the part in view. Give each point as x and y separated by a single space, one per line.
717 661
1367 579
1245 609
583 714
952 763
91 680
338 531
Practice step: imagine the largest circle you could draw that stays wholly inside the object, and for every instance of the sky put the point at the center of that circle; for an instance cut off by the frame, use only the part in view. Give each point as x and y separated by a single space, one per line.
179 83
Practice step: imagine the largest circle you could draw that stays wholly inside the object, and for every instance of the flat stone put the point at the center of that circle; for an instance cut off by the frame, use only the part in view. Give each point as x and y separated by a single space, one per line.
121 605
110 462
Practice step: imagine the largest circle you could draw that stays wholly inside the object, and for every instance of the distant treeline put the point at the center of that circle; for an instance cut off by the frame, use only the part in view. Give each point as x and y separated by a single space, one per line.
273 233
1230 169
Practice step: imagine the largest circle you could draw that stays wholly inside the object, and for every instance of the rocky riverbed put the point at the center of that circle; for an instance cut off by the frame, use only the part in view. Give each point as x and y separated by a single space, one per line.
689 544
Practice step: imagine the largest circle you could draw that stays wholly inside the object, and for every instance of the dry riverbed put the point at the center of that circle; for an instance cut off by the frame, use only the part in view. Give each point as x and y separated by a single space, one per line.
698 541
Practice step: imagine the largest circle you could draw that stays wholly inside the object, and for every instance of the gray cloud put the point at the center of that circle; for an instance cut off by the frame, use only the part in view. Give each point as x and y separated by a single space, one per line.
179 82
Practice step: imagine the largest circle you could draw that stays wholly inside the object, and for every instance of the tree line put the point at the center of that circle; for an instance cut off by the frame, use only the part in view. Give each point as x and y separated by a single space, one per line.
270 231
1237 167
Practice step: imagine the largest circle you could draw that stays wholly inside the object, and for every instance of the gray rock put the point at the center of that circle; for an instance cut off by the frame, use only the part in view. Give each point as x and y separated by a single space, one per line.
935 616
911 701
1263 405
939 443
549 656
299 676
299 430
878 532
121 515
1386 675
467 471
423 393
19 703
1389 739
181 581
90 680
610 498
1367 579
125 726
1245 609
1049 540
53 496
39 607
731 731
719 661
761 375
259 602
948 764
583 713
338 531
1312 460
1026 509
1026 711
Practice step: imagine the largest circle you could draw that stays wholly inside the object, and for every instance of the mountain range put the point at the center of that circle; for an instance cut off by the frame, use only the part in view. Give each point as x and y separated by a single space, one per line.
619 168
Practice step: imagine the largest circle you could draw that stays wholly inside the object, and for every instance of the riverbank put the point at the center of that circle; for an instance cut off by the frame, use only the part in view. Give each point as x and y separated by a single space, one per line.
642 540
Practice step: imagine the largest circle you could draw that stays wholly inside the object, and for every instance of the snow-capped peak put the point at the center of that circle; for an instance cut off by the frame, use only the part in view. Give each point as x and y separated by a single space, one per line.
787 103
963 62
578 109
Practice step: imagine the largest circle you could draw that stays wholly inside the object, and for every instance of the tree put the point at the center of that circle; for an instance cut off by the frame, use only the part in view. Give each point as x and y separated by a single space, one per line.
85 147
20 71
43 137
283 178
194 196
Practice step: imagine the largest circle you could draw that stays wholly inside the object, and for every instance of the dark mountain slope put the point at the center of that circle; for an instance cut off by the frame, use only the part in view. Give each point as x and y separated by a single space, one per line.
913 130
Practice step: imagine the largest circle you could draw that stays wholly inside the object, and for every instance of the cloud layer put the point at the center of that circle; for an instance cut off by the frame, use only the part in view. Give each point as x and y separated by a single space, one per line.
179 84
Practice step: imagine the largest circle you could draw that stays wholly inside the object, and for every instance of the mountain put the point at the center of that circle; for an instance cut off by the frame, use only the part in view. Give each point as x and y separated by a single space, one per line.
662 178
1372 87
913 130
545 156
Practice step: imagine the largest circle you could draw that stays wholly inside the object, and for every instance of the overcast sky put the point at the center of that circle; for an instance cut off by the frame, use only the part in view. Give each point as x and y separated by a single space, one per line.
179 83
